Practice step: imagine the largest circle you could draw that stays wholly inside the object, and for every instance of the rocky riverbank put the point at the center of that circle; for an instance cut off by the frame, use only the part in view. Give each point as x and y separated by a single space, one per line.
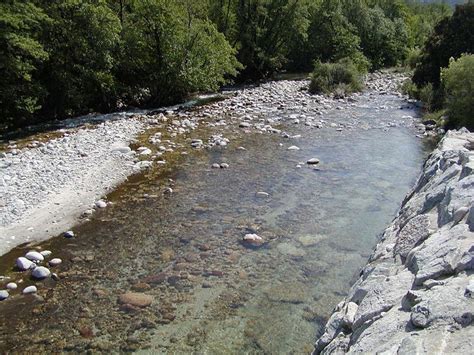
45 186
416 293
234 233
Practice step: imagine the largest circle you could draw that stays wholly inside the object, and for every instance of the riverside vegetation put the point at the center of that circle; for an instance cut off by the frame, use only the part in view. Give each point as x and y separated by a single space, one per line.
70 57
444 70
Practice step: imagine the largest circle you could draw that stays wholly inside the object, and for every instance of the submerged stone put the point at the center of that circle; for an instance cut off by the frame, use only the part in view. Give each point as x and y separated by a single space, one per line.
290 250
135 299
310 240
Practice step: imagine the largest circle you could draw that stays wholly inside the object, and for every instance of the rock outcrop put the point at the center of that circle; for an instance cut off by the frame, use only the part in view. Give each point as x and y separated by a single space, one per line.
416 295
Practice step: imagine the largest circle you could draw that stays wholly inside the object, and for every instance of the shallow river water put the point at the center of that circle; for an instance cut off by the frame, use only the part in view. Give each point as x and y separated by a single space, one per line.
212 294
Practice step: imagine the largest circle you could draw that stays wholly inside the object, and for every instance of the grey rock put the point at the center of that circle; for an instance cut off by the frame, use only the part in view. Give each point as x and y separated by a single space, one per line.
469 292
24 264
46 253
70 234
40 272
101 204
121 149
4 295
440 254
470 219
414 232
12 286
29 290
383 294
34 256
459 214
55 262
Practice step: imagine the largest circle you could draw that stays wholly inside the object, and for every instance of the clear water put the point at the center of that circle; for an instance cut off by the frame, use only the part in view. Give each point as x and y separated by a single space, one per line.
218 296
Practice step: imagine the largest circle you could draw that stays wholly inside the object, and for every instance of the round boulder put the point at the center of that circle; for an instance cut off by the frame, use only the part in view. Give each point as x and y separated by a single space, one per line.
34 256
23 263
29 289
40 272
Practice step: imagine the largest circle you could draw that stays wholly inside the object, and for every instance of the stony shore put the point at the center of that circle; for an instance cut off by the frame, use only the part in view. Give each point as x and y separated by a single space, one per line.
46 186
225 230
416 294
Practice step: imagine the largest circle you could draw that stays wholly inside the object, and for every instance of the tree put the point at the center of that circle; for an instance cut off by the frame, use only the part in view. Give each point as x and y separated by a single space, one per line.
331 36
266 29
458 81
170 49
382 40
21 54
451 38
81 41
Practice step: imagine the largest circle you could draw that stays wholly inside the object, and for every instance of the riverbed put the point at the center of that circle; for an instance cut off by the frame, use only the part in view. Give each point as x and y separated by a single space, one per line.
174 231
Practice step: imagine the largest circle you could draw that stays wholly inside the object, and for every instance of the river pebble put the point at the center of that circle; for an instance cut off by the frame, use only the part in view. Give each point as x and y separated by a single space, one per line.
23 263
40 272
55 262
46 253
70 234
101 204
30 289
4 295
34 256
12 286
253 240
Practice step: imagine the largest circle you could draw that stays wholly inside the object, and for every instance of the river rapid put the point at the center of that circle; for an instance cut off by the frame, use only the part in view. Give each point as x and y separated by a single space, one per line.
174 231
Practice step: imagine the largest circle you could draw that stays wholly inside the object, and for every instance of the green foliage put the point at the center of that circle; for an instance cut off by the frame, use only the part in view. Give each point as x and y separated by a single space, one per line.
452 37
341 76
458 81
426 94
20 56
67 57
331 36
169 52
438 116
413 58
265 33
80 41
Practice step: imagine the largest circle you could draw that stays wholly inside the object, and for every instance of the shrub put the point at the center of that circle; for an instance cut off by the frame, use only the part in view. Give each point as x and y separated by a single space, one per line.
426 94
413 58
458 81
410 89
341 76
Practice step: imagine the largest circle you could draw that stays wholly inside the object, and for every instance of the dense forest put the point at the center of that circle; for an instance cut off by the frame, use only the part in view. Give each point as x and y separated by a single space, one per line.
70 57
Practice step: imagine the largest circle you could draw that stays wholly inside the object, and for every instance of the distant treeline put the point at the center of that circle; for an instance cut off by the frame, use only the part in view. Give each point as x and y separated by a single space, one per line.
69 57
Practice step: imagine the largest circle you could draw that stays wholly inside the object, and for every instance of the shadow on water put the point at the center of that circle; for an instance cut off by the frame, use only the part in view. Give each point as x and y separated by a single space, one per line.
210 293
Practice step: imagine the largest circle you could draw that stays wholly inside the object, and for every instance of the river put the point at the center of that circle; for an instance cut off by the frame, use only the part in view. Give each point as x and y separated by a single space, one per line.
211 292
